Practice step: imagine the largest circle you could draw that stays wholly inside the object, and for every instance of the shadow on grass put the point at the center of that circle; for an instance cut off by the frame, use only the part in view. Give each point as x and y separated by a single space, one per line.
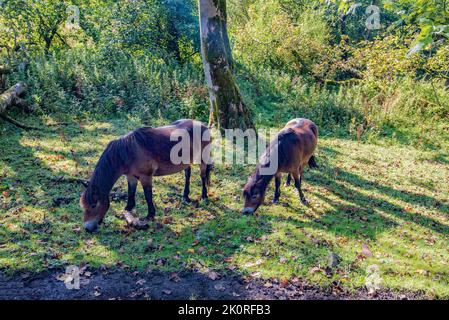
365 213
422 135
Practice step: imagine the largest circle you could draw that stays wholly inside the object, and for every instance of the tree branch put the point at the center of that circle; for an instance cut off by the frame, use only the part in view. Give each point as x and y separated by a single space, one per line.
16 123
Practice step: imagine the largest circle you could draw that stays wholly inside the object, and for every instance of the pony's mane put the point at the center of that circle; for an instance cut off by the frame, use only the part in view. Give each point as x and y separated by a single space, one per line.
260 179
117 155
278 147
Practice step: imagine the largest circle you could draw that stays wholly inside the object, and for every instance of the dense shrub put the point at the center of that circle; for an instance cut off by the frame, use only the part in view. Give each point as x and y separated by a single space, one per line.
293 59
85 81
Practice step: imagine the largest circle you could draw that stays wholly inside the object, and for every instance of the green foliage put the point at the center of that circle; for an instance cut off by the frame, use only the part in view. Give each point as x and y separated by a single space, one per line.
87 82
385 59
294 58
159 28
431 17
270 35
341 80
153 28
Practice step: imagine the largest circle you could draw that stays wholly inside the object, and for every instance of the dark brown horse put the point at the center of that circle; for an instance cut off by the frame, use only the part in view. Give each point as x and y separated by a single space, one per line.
140 155
293 148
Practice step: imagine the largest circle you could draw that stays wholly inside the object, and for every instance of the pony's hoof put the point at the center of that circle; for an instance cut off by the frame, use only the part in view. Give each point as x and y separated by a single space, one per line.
305 202
287 184
275 201
186 200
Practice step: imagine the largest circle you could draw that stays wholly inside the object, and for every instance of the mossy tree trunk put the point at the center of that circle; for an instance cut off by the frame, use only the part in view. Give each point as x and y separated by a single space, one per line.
227 107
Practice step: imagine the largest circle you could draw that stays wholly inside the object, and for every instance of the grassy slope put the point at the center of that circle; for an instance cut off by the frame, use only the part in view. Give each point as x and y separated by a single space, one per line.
392 199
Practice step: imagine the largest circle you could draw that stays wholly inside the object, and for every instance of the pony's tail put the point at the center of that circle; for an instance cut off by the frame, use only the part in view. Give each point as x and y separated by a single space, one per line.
312 163
209 169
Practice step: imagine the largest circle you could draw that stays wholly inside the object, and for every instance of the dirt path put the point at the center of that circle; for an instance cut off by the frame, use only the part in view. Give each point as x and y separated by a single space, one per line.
158 285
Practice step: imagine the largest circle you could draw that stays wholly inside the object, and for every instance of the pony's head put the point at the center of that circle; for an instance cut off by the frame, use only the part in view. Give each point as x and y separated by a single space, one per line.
95 200
254 192
94 207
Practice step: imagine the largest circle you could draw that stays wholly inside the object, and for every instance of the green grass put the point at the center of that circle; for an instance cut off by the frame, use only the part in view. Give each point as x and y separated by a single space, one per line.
391 198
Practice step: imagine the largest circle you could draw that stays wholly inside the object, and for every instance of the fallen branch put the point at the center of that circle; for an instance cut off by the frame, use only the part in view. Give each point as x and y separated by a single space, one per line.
5 70
16 123
22 66
12 97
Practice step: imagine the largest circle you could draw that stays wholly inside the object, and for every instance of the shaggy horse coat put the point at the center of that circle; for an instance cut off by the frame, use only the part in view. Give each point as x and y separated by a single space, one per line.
294 147
140 155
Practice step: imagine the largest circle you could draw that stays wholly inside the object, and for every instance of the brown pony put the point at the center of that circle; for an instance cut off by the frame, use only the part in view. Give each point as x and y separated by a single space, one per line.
294 147
140 155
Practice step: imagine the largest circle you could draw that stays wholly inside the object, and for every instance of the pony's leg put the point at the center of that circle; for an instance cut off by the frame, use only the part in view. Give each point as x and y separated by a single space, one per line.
132 187
298 180
277 186
147 184
185 197
289 180
205 175
132 220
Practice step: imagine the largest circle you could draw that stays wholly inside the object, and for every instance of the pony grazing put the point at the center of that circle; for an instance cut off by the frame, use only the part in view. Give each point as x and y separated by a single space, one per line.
140 155
293 146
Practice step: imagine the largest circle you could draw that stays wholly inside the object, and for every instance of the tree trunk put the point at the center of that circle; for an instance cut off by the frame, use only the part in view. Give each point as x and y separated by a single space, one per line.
4 70
11 97
227 107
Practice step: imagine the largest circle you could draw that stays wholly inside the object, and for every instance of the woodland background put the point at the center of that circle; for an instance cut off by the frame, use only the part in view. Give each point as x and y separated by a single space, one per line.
379 96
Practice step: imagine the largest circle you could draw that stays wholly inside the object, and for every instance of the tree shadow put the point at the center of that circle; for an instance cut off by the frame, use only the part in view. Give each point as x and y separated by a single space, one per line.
423 137
366 213
30 186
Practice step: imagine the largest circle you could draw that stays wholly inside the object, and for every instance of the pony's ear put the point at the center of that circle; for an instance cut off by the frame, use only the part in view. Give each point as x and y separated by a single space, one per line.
85 183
